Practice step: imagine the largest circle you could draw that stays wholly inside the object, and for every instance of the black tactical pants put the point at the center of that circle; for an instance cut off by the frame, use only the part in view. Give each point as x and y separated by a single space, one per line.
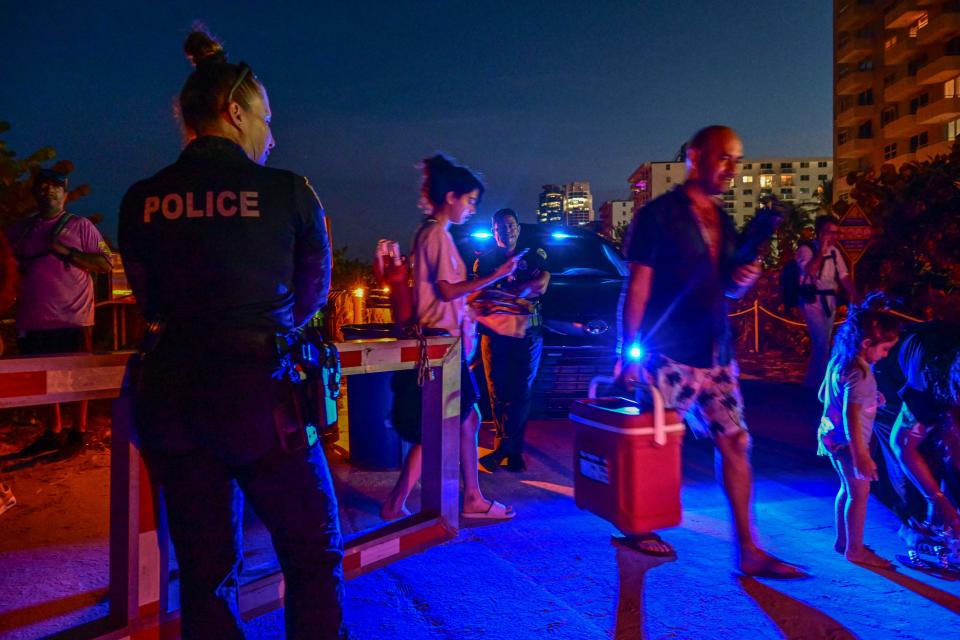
207 428
510 365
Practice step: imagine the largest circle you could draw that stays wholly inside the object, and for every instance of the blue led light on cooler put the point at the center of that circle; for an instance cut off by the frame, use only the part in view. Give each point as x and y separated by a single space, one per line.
635 352
481 235
560 235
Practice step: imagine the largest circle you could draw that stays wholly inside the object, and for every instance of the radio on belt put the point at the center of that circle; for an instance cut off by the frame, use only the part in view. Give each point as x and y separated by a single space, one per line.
627 462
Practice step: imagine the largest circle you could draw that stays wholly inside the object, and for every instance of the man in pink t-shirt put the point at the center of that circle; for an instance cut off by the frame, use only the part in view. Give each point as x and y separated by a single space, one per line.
57 253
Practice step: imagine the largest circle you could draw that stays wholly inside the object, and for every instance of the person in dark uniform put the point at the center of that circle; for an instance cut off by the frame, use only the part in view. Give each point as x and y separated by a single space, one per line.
226 254
510 341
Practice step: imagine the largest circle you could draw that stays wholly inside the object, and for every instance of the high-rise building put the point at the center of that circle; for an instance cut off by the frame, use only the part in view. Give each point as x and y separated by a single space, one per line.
796 180
578 204
653 178
550 209
613 214
896 83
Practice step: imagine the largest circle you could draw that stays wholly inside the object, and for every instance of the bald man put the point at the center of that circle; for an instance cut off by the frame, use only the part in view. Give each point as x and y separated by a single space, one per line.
682 270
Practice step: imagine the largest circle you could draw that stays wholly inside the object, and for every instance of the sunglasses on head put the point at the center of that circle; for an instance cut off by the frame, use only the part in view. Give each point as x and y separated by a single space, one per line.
244 72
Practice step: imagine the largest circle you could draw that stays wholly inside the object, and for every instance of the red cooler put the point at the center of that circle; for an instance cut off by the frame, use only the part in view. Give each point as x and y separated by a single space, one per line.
627 462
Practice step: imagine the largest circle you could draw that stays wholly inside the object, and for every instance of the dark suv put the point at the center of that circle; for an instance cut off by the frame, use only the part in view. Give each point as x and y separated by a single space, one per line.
587 274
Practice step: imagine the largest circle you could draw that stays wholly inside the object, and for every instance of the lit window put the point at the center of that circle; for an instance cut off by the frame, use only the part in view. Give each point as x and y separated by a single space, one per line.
747 179
766 182
951 88
953 128
786 180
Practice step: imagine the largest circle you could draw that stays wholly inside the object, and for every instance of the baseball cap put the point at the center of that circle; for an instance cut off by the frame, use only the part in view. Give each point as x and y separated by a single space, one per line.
49 175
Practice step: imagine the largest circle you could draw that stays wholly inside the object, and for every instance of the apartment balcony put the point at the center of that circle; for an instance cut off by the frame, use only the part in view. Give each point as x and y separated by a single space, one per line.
900 88
853 14
854 82
942 148
940 70
943 110
940 28
900 50
855 148
902 158
854 49
902 127
900 14
853 115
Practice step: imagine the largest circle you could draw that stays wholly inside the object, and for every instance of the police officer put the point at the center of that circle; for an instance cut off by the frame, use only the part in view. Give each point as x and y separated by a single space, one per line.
224 254
510 341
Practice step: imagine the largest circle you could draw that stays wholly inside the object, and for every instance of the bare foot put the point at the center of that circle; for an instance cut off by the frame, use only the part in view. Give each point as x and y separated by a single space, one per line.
761 564
648 543
869 559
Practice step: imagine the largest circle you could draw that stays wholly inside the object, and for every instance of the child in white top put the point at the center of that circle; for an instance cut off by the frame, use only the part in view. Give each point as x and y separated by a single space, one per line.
850 401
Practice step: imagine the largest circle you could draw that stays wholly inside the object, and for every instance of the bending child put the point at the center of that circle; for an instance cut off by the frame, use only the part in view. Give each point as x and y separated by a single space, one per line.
850 401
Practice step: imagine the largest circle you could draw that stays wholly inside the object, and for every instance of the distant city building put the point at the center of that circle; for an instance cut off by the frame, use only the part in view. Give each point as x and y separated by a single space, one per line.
578 204
795 180
550 209
569 204
613 214
896 84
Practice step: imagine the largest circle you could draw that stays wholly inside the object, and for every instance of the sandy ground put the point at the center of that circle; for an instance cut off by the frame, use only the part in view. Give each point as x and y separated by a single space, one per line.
550 573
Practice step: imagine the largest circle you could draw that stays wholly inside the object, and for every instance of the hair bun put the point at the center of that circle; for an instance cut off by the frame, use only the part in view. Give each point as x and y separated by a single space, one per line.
201 47
436 163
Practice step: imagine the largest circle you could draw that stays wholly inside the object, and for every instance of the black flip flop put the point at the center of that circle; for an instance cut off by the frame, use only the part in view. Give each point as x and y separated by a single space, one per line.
634 543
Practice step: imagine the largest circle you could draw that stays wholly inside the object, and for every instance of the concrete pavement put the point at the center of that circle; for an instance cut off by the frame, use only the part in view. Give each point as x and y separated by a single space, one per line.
551 572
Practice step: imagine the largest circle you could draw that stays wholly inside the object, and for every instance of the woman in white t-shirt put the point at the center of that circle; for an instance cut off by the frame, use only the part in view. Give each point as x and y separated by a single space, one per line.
449 194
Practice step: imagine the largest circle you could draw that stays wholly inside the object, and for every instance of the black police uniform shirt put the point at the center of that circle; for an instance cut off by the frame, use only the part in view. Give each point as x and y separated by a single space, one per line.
531 266
217 240
686 315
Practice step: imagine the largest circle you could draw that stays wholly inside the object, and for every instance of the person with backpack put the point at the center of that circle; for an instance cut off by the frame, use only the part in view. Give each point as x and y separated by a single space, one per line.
822 272
57 253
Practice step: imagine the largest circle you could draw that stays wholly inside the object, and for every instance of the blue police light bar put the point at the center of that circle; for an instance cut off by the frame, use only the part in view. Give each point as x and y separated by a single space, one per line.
481 235
560 235
635 352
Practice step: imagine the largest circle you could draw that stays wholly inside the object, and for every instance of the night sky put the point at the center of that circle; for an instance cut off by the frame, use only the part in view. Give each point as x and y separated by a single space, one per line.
524 92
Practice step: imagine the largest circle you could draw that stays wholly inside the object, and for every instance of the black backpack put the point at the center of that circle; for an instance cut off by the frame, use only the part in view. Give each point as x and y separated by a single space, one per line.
790 287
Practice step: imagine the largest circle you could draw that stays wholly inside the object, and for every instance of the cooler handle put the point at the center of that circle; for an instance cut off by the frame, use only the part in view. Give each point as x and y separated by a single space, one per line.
595 382
659 407
659 417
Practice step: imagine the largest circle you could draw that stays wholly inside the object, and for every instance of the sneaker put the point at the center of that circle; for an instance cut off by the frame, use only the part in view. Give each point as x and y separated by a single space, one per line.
7 499
49 441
